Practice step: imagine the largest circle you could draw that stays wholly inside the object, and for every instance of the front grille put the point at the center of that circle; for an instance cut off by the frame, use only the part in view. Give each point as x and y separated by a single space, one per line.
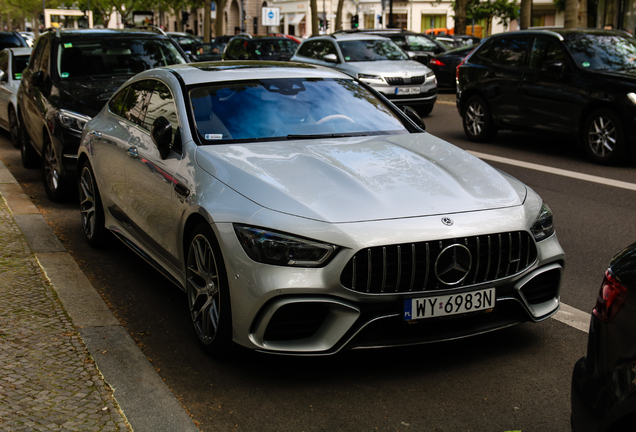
410 267
403 81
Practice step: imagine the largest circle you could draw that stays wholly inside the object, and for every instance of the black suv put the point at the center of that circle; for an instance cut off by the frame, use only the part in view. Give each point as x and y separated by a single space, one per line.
580 82
248 47
420 47
70 77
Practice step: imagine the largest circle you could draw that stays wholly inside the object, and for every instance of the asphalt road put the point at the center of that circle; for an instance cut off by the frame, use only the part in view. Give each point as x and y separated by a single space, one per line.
515 379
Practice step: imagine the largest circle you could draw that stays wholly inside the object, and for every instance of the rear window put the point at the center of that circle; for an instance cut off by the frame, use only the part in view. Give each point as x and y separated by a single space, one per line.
10 41
114 57
19 64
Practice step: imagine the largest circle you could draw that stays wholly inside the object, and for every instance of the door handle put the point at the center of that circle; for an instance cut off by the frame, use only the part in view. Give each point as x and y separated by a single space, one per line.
133 153
97 134
182 190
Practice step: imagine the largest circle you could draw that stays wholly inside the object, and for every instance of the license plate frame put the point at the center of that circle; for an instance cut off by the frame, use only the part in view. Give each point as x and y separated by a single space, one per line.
478 300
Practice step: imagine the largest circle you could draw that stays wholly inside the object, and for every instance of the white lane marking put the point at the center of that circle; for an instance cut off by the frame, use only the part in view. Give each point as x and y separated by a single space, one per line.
573 317
557 171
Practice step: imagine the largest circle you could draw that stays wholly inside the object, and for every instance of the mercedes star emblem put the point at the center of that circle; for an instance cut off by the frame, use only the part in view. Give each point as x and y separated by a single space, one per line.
453 264
447 221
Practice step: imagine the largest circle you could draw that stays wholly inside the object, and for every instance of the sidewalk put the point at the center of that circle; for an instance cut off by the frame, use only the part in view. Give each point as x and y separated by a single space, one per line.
65 361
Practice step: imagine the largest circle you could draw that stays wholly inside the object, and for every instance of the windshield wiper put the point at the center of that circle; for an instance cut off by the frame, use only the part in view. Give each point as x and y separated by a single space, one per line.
336 135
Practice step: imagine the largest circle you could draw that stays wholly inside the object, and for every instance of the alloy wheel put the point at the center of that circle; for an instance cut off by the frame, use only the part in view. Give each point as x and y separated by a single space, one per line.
602 136
51 174
87 202
203 288
475 118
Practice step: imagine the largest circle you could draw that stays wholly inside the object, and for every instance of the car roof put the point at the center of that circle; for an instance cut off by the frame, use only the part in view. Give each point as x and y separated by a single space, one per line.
20 51
209 72
101 33
349 36
562 33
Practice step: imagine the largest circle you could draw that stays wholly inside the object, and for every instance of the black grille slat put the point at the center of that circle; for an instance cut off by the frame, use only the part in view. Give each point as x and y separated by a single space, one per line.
410 267
405 81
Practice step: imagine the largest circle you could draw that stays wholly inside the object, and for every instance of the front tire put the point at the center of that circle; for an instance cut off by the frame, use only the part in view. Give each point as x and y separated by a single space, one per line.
477 121
55 185
208 293
604 139
14 128
91 210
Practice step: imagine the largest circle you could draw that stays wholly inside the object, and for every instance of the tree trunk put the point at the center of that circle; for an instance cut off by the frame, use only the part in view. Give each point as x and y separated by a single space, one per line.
460 17
571 14
207 20
338 25
313 6
582 13
219 22
525 14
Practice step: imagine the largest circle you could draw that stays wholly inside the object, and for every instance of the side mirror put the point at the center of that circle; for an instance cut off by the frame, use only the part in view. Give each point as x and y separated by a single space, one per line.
331 58
414 117
161 133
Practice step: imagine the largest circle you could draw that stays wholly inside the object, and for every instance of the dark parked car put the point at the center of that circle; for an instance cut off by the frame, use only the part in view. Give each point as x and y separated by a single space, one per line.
577 82
212 51
12 39
445 65
420 47
270 48
604 381
186 41
70 77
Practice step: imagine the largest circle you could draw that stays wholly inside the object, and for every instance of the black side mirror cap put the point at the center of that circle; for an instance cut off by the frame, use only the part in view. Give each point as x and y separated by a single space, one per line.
161 133
414 117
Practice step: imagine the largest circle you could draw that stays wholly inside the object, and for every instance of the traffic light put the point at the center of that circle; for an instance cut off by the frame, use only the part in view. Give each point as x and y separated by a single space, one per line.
327 24
354 21
185 16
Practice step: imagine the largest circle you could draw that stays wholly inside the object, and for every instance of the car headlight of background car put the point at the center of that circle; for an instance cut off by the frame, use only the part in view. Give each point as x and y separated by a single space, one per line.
72 120
275 248
543 226
375 79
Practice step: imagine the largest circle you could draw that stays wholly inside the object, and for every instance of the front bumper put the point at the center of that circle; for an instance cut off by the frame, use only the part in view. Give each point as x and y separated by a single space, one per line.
308 311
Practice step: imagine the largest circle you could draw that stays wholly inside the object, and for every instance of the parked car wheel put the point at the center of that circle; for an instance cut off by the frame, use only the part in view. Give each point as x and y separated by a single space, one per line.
14 128
208 293
54 185
477 121
91 210
27 152
604 137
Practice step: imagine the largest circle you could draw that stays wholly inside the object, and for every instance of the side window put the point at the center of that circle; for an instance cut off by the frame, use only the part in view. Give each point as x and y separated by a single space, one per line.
37 53
545 52
419 43
43 64
513 51
118 101
308 49
136 102
318 49
161 104
234 48
485 53
399 40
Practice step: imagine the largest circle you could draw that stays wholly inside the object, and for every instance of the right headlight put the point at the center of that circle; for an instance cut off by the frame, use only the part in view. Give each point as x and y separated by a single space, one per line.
270 247
543 226
72 120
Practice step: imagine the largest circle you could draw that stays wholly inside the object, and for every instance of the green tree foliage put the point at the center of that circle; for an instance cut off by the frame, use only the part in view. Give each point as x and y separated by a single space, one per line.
504 10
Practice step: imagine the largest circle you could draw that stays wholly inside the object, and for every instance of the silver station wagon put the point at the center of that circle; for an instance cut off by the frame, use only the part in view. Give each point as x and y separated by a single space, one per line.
304 214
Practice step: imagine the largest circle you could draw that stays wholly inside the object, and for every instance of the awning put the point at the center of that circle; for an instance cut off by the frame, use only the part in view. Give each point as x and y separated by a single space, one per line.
297 19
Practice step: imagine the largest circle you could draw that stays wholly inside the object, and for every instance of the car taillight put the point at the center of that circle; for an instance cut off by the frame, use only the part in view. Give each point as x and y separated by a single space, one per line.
611 298
436 62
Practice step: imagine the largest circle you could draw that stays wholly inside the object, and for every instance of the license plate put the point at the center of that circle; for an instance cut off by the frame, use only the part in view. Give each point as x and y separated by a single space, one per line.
439 306
407 90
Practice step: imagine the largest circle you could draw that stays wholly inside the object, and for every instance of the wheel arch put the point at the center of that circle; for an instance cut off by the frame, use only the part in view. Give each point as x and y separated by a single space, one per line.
466 95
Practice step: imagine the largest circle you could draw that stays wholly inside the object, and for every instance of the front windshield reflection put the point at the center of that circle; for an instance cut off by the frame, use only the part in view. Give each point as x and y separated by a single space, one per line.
602 52
289 109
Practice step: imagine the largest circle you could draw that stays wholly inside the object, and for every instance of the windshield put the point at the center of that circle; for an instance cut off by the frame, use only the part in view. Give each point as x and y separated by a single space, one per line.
275 109
602 52
274 46
371 50
106 58
19 64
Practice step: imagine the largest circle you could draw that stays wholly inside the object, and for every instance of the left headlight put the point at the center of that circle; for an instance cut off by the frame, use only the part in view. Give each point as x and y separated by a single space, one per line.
276 248
72 120
543 226
370 78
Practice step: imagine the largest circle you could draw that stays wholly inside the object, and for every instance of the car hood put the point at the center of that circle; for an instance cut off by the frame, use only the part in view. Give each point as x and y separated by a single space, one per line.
362 178
402 68
87 97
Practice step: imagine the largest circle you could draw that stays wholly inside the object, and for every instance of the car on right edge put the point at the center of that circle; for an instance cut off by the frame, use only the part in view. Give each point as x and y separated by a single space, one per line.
604 381
570 81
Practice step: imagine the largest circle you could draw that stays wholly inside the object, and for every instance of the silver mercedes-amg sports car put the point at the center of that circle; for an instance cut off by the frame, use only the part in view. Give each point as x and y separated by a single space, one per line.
304 214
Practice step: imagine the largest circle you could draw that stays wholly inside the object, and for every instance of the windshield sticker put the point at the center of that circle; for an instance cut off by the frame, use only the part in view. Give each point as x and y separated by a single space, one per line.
68 45
586 64
65 74
347 58
213 136
18 76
